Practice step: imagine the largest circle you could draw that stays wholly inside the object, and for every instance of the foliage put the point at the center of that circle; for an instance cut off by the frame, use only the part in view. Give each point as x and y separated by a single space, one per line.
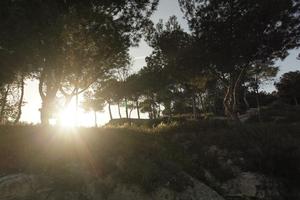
289 86
233 36
71 44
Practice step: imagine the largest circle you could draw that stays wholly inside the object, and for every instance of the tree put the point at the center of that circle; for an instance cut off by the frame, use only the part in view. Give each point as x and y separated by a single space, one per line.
109 91
134 91
256 76
93 103
233 35
289 86
153 81
60 33
11 96
174 51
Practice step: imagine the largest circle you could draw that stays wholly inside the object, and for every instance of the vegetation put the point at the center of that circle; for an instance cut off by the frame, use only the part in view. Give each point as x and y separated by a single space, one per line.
202 90
152 157
289 87
73 47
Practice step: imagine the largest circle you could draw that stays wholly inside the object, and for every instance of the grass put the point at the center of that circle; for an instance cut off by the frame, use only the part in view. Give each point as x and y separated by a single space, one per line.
151 157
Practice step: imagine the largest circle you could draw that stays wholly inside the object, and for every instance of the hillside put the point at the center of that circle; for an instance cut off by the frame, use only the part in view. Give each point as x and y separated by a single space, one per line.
208 160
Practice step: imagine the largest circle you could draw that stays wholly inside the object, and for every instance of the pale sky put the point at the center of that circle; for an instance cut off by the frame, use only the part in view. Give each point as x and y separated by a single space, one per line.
166 9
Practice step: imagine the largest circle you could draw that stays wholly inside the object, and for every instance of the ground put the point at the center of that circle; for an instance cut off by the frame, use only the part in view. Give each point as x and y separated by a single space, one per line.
169 156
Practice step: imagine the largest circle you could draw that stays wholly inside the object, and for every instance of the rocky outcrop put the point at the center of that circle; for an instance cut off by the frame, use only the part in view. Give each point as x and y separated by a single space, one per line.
242 185
22 187
252 186
19 186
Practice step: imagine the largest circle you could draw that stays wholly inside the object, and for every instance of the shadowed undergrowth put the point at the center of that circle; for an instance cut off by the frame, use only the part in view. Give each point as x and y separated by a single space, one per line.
150 157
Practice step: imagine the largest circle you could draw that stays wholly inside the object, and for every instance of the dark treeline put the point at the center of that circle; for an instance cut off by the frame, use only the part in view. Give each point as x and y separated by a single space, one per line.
217 67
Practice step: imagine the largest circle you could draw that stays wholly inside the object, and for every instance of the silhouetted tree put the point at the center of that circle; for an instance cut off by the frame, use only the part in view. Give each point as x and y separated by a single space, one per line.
58 34
94 103
256 76
234 34
175 53
289 86
134 91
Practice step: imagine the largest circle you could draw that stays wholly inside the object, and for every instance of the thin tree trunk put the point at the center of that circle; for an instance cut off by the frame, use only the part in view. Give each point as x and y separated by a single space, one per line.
226 101
245 99
194 106
236 95
4 101
296 101
95 119
153 111
201 103
20 101
258 104
159 111
131 109
76 102
126 108
68 100
137 109
119 110
109 109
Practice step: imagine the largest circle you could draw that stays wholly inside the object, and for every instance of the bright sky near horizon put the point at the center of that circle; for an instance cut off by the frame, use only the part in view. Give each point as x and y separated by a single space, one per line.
166 9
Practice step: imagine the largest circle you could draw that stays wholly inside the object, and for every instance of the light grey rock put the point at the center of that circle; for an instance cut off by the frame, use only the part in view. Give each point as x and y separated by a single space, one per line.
199 191
18 186
29 187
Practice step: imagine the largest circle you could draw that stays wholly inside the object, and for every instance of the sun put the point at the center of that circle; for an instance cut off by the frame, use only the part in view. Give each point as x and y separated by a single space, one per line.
70 117
67 117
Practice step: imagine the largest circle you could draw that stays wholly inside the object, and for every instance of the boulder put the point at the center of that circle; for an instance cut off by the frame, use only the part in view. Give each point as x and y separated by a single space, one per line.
252 185
22 186
18 186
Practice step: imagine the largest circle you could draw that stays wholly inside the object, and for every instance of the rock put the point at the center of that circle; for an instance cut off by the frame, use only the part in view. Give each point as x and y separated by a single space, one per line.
22 186
252 185
251 112
225 161
27 187
127 193
18 186
199 191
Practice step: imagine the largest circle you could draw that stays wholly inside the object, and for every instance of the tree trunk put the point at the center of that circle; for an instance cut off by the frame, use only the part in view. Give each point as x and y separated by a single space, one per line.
126 108
231 100
258 104
68 99
76 101
236 95
109 109
296 101
95 119
20 101
245 99
153 111
131 109
119 110
46 111
194 106
201 103
226 102
52 86
4 101
138 109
